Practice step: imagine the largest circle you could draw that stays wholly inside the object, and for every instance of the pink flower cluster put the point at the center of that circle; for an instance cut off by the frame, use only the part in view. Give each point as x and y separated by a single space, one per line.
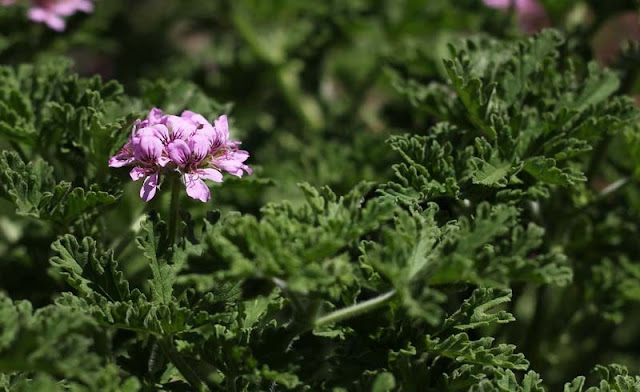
53 12
531 14
187 144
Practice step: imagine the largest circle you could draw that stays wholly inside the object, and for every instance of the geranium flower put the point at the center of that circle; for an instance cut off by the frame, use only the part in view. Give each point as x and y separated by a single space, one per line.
53 12
205 152
187 144
531 14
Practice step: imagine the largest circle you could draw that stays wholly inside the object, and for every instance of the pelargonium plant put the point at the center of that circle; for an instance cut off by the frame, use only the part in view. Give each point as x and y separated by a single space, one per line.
468 219
188 145
53 12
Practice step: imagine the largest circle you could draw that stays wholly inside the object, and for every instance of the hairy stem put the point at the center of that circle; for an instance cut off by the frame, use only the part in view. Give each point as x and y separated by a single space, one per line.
174 209
355 310
123 242
598 156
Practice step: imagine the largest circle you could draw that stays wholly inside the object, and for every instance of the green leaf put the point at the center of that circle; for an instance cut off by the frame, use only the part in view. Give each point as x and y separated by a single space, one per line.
31 188
576 385
24 184
89 270
384 382
303 245
479 310
53 340
428 170
140 315
598 86
66 204
475 96
608 379
505 380
481 352
545 169
526 61
154 245
489 175
408 255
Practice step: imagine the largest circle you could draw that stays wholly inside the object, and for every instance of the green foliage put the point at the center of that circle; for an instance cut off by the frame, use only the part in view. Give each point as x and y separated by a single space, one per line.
511 134
90 271
103 291
53 341
611 378
305 246
479 352
474 312
468 219
28 187
24 185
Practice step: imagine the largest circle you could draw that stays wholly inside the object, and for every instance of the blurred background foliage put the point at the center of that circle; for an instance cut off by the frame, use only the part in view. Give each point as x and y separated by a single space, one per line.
312 88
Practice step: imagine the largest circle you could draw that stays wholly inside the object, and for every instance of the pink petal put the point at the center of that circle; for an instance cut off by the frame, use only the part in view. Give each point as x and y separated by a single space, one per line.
199 145
196 188
155 116
231 162
147 148
529 7
123 158
56 23
158 131
240 155
63 7
84 5
161 132
181 128
533 19
618 29
37 14
179 152
210 174
222 128
498 3
137 173
149 187
69 7
163 161
209 132
532 15
49 18
195 117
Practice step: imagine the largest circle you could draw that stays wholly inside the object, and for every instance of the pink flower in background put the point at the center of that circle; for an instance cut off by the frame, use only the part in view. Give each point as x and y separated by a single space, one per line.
187 144
53 12
613 34
531 14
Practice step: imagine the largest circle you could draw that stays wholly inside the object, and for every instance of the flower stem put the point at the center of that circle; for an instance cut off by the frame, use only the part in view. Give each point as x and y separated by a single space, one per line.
174 209
166 345
355 310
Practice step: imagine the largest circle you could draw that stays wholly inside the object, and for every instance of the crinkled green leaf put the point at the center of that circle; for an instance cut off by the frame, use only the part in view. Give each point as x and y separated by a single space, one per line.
89 270
24 184
475 311
461 348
